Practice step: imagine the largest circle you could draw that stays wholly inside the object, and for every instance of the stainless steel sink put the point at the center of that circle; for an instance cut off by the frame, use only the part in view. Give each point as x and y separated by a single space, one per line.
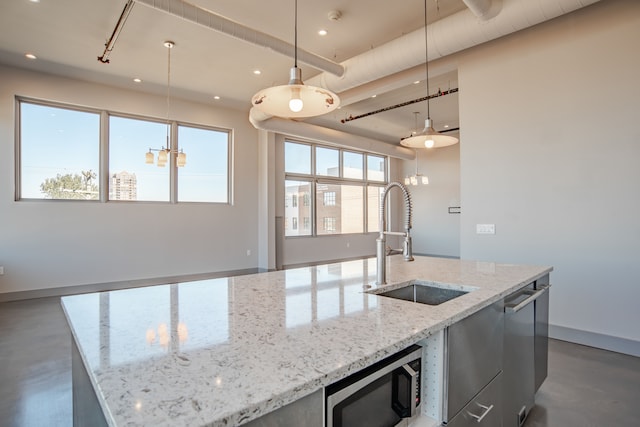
425 293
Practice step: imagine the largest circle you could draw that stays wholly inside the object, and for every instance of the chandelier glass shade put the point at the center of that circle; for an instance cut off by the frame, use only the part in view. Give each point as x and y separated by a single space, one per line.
417 178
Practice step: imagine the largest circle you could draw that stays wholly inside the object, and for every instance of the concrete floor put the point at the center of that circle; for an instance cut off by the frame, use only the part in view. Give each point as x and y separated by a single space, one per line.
586 387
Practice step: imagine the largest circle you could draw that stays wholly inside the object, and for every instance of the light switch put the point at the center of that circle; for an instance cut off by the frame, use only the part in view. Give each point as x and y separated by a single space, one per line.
485 229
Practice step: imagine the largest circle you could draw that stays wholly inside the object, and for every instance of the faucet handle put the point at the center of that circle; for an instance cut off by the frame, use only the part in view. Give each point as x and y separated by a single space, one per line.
407 250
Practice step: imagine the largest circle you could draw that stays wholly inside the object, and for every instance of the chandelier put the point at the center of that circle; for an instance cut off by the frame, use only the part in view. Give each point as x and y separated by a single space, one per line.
164 152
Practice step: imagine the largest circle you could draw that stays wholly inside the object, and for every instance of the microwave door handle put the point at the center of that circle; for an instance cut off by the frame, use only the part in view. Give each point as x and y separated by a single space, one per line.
405 409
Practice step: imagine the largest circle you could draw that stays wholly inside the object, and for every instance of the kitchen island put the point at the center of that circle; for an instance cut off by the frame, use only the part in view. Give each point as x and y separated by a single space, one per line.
227 351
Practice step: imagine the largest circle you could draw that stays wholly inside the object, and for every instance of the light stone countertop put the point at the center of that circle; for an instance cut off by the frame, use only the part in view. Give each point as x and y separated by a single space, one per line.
225 351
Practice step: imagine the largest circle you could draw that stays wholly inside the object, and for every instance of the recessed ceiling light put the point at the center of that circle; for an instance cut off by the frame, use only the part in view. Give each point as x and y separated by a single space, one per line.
446 126
137 80
373 96
30 55
216 97
322 32
257 72
34 1
416 82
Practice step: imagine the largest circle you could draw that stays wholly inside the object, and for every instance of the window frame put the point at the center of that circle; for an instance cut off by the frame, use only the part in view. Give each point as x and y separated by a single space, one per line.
107 154
104 154
314 180
175 170
331 200
19 100
311 210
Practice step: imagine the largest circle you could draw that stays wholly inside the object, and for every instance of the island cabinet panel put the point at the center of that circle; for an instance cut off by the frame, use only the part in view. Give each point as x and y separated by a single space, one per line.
86 408
473 356
303 412
484 410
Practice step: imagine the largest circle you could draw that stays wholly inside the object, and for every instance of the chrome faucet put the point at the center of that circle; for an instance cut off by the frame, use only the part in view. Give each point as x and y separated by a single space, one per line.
381 241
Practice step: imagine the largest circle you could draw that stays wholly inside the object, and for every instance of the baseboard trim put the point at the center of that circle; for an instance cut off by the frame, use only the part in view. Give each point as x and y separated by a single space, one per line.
355 258
125 284
333 261
593 339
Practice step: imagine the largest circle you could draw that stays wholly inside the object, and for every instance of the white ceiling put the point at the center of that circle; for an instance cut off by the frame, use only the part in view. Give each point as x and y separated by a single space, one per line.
67 36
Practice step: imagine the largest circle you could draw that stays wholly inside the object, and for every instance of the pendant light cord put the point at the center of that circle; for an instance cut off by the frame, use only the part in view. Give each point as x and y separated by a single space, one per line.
169 46
295 36
426 56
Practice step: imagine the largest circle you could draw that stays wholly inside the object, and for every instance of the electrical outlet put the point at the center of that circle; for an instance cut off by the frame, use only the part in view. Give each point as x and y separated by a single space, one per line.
485 229
1 271
248 252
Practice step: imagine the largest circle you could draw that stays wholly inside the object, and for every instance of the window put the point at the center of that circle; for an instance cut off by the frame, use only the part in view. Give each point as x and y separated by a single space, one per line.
346 194
329 224
205 177
297 158
327 161
352 165
376 170
294 223
292 189
59 157
59 153
346 208
131 178
329 198
374 195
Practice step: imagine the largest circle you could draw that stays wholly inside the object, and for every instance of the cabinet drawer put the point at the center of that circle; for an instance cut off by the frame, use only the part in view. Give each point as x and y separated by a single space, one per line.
484 410
474 355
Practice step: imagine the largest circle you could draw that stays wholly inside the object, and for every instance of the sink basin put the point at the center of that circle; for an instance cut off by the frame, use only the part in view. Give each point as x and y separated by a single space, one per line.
424 293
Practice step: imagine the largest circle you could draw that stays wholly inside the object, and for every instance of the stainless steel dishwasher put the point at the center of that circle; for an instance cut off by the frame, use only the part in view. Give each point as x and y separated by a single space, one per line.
525 349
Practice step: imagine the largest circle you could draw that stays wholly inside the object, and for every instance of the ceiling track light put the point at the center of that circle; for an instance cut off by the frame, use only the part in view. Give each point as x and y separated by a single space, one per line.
428 137
295 99
400 105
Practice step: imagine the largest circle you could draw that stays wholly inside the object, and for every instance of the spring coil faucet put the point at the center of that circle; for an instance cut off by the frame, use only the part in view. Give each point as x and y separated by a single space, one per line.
381 241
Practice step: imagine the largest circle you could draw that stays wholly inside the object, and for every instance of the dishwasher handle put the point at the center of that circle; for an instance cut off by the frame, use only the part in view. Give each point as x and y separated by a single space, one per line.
533 295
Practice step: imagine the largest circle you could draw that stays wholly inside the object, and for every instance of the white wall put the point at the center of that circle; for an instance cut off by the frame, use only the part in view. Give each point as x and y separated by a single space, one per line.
50 244
436 231
549 153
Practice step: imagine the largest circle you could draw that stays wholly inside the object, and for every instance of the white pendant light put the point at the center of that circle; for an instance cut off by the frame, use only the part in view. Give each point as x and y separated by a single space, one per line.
428 137
295 99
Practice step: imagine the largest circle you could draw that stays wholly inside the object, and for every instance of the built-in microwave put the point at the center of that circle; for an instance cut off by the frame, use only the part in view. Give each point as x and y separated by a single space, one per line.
386 394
